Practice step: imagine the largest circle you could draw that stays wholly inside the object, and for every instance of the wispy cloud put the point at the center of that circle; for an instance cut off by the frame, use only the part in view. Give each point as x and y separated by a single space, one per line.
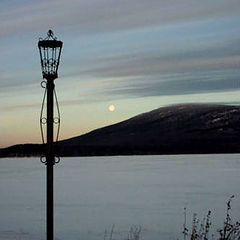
19 107
157 60
153 66
198 82
109 15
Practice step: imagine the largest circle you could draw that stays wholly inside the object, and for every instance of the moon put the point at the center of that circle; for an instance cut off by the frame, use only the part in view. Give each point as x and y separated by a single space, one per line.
111 108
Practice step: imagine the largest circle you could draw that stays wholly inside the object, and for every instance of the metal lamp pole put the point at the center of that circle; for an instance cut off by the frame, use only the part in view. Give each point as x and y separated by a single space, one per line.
50 160
50 51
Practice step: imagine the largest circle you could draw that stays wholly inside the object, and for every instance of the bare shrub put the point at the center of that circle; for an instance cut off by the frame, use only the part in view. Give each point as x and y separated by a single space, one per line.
201 230
134 233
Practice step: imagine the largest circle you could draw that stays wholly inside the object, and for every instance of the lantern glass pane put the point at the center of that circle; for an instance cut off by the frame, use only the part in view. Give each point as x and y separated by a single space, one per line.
50 60
50 50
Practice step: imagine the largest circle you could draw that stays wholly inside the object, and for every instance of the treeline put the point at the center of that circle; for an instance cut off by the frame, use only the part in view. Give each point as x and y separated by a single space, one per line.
64 150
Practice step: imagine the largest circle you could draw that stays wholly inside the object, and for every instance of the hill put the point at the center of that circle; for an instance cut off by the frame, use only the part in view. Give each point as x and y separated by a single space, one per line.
178 129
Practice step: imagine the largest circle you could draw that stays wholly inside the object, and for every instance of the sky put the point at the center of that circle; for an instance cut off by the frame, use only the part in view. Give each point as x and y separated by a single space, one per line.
137 55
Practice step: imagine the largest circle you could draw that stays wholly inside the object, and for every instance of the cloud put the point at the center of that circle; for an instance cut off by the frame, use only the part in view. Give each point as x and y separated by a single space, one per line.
143 69
19 107
201 82
146 63
109 15
150 73
147 67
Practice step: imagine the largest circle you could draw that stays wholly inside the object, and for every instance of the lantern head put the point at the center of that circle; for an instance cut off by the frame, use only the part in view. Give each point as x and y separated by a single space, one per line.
50 50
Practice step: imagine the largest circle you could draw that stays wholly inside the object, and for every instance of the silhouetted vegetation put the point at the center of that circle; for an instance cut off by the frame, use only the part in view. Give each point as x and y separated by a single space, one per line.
200 230
134 233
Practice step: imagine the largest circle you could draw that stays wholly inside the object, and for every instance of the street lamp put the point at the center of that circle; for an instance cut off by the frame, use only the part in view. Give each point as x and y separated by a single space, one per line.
50 50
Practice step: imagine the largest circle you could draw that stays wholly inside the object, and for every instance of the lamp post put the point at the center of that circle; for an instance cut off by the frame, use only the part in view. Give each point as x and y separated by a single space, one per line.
50 51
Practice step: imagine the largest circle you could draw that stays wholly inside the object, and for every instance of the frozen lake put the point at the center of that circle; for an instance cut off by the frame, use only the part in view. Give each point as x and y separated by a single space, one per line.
92 194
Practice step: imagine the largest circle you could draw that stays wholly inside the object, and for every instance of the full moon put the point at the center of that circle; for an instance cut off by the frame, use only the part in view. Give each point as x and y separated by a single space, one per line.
111 108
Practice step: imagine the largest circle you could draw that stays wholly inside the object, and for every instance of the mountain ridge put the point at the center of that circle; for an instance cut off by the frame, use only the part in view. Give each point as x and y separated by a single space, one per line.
176 129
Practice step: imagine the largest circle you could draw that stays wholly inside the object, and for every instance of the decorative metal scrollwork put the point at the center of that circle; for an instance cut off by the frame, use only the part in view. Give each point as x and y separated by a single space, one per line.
57 159
43 84
43 159
56 120
43 120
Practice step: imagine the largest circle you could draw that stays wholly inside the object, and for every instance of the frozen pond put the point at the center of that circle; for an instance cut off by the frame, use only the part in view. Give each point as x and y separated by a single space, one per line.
92 194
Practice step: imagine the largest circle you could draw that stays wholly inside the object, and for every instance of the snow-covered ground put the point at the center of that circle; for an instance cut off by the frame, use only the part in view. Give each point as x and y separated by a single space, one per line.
92 194
12 235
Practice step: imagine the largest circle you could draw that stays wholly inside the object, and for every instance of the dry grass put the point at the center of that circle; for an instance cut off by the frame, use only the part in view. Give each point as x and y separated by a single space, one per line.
201 229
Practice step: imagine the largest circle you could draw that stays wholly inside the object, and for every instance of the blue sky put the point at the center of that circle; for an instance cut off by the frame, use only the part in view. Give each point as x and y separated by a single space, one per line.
137 55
